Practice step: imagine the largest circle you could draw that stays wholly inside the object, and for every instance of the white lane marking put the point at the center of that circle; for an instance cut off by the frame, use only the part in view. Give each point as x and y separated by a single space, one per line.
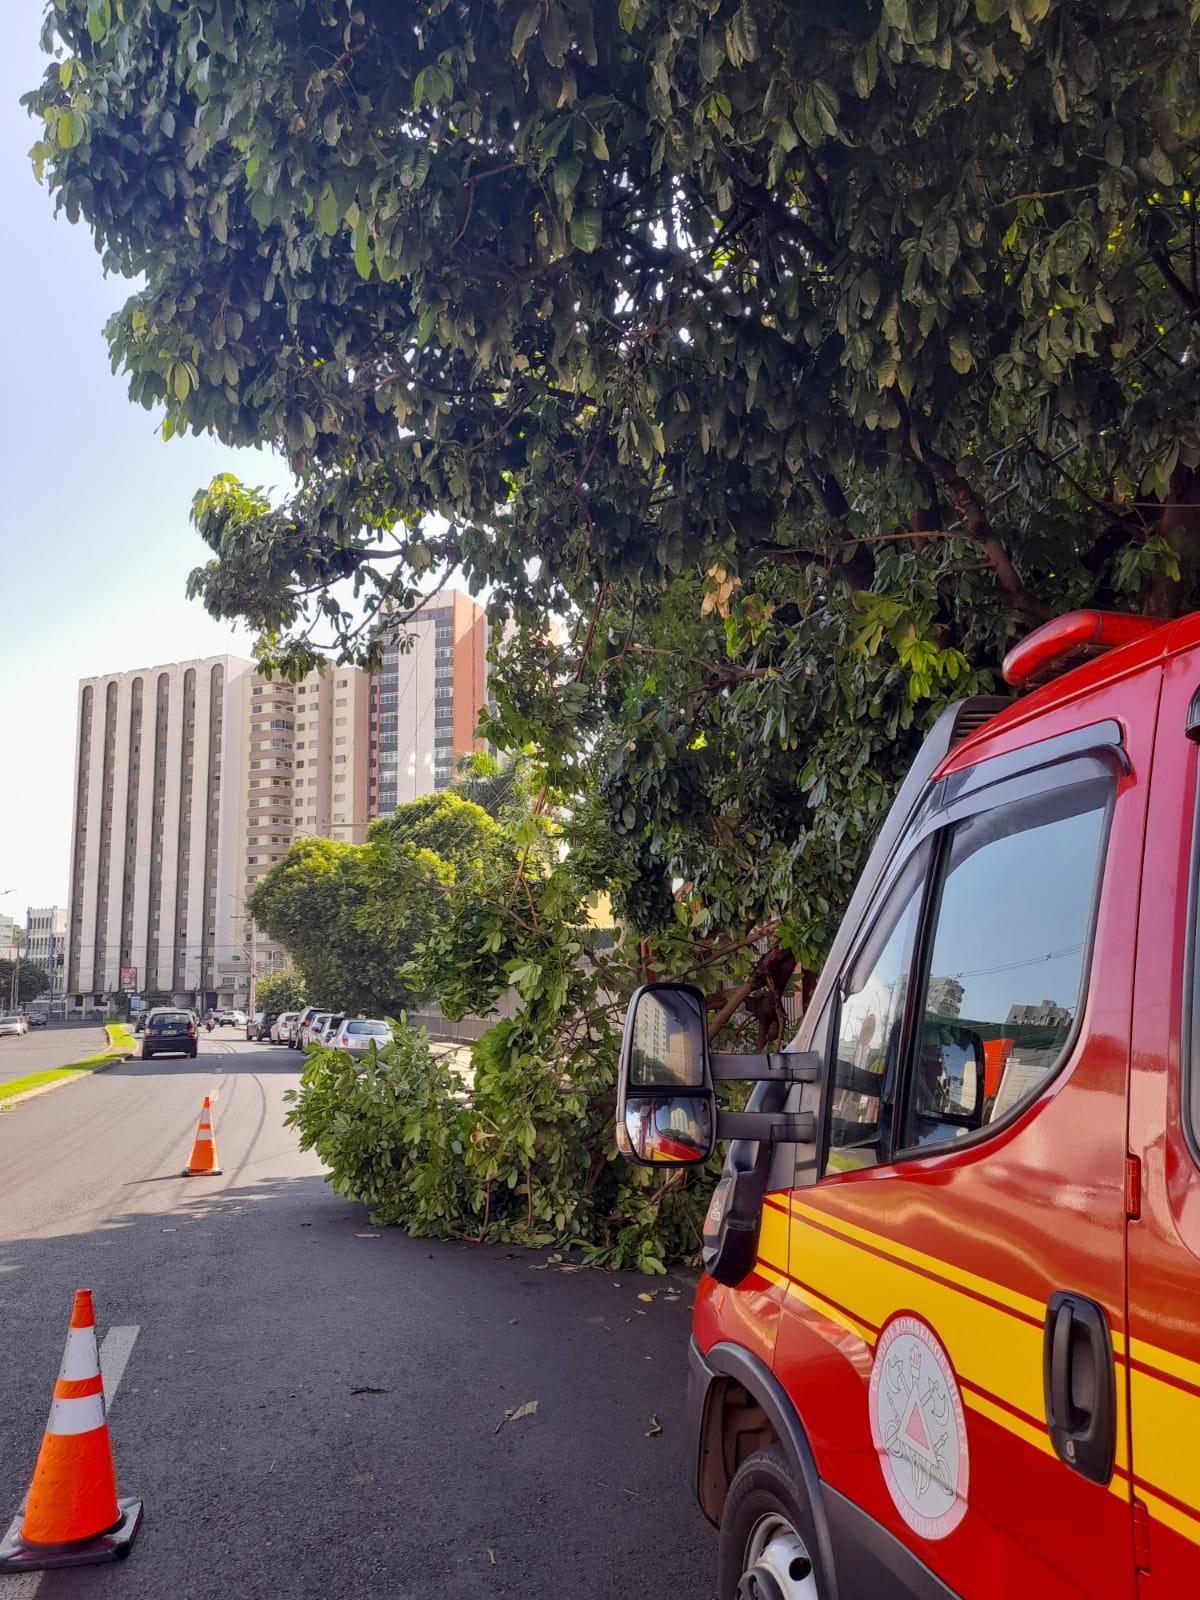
114 1357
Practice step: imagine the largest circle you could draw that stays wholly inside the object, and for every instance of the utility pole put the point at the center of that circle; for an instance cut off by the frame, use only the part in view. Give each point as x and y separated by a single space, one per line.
253 966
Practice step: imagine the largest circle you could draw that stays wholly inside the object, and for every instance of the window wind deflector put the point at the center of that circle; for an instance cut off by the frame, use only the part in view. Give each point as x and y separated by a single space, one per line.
1102 739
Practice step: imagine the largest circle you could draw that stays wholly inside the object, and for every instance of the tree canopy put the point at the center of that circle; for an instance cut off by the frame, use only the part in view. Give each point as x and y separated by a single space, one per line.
801 355
31 983
280 991
351 916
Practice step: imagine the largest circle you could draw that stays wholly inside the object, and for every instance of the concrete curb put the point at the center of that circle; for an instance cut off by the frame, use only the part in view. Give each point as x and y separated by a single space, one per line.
61 1083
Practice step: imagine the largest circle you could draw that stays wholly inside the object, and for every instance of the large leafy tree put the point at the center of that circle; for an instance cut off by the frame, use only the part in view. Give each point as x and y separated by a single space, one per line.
280 991
805 354
350 916
31 982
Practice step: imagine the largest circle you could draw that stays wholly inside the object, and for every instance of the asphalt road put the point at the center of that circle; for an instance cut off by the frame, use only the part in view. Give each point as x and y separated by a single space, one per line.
55 1045
262 1303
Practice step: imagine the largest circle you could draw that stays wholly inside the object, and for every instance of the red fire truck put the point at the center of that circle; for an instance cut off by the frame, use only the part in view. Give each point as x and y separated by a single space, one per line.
947 1342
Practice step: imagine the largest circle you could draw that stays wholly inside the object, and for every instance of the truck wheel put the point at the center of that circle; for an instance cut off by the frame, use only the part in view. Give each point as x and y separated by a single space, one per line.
766 1534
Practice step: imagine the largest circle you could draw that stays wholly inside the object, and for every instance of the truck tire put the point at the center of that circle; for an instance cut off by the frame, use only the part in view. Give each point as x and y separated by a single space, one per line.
767 1543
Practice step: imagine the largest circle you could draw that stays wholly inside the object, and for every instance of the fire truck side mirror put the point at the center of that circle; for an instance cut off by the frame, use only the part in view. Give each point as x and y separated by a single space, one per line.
666 1106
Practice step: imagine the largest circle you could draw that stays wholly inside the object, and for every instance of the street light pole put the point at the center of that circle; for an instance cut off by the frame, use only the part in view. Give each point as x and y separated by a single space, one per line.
16 977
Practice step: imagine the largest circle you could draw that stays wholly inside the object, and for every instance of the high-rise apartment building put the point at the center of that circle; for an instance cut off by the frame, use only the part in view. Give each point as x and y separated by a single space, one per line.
192 780
46 947
333 751
426 701
156 852
308 762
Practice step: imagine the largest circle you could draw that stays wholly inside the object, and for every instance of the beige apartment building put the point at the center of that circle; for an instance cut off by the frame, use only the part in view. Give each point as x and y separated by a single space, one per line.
156 854
192 779
308 764
426 700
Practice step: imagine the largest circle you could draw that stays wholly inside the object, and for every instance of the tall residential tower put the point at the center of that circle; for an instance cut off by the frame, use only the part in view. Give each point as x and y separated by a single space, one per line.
426 701
155 857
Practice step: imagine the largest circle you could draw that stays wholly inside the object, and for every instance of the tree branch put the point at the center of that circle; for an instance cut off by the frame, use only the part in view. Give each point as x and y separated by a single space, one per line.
1182 292
975 521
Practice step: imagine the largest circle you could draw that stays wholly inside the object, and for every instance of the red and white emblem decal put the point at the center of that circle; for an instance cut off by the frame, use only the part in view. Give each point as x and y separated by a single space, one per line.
918 1427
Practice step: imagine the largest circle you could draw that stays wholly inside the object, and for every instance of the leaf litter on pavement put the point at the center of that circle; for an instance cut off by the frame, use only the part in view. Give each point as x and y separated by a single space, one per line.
515 1415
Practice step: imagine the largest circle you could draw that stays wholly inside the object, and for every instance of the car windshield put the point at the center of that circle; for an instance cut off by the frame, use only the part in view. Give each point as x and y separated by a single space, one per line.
171 1017
377 1030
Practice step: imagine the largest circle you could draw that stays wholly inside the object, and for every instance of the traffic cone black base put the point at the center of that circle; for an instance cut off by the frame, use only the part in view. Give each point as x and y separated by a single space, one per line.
115 1545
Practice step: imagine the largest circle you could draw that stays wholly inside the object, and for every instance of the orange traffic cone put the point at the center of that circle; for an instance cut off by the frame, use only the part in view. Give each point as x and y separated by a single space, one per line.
72 1516
203 1160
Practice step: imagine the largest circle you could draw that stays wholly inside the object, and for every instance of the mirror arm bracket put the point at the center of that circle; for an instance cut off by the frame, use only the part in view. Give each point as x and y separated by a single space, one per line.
772 1127
788 1066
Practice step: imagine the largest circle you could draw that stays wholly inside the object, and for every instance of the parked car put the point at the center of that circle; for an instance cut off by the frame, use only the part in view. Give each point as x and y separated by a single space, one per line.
316 1027
38 1019
259 1025
356 1034
329 1031
955 1244
169 1032
299 1035
10 1023
281 1031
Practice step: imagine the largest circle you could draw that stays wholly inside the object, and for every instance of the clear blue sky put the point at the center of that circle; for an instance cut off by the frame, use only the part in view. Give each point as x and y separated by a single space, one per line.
95 544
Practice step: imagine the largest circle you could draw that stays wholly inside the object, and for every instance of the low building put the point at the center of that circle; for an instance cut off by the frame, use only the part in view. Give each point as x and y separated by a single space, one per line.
46 947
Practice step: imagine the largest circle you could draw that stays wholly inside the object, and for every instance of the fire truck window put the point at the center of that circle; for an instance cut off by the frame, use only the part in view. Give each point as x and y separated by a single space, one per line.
869 1027
1008 956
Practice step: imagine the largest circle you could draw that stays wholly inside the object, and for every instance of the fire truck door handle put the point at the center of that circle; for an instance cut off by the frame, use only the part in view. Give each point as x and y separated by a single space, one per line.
1080 1385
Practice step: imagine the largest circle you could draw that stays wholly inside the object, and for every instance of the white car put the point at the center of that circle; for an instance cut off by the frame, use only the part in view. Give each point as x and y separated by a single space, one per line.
356 1033
230 1018
315 1027
329 1032
10 1023
281 1028
299 1033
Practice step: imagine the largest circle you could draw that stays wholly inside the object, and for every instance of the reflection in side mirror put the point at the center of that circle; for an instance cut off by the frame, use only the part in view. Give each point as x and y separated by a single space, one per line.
959 1087
666 1107
675 1130
960 1078
668 1039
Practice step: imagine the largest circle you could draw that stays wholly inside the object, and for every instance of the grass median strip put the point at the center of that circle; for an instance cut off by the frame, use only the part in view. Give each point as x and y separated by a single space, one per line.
121 1045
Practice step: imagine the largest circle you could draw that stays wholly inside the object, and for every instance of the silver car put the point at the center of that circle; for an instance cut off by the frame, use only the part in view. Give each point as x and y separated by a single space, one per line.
10 1023
355 1034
